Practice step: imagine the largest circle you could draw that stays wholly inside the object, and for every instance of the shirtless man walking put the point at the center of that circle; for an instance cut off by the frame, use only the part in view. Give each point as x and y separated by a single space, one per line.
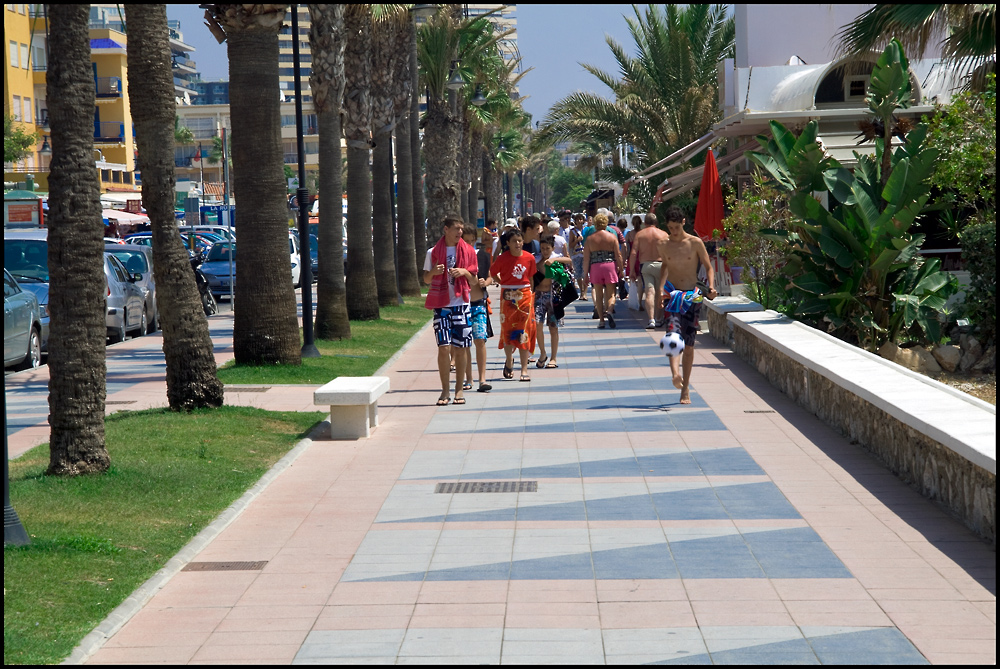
680 254
644 261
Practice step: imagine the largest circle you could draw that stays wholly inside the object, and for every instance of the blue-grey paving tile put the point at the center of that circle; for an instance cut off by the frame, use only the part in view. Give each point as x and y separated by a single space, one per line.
496 571
755 501
611 467
727 462
632 507
421 519
715 557
796 651
702 658
696 420
491 475
570 470
639 562
795 553
681 463
577 566
412 576
698 504
881 646
559 511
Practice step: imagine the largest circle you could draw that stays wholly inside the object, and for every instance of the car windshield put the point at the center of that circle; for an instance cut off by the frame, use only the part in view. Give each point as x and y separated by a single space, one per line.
221 252
134 261
26 259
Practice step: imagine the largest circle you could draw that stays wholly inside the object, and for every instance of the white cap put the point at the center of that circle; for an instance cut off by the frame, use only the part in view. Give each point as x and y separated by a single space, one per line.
510 222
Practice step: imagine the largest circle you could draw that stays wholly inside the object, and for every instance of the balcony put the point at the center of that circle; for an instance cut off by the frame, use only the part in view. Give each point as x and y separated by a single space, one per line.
182 162
109 87
42 118
109 131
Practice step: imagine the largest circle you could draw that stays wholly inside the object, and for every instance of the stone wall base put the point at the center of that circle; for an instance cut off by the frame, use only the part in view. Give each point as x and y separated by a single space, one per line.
967 490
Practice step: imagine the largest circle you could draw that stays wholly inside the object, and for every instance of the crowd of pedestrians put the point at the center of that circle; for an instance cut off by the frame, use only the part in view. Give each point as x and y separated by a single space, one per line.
539 266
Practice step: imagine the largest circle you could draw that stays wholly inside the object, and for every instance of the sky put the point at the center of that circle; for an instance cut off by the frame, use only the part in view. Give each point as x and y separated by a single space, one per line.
553 39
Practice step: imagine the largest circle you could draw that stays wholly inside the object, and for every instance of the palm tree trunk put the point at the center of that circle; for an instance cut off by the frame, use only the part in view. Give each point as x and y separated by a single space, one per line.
476 173
463 168
332 321
192 381
78 330
494 191
362 298
409 282
416 171
441 140
266 328
383 242
327 82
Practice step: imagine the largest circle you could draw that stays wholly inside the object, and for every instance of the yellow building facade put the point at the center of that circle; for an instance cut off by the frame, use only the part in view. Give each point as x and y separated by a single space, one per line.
25 88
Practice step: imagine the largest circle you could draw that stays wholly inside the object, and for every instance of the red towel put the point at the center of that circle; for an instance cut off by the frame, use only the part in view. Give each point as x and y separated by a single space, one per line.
465 257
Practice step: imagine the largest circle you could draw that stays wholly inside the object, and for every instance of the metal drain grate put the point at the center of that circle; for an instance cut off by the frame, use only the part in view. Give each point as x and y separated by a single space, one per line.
120 401
248 390
225 566
487 486
758 411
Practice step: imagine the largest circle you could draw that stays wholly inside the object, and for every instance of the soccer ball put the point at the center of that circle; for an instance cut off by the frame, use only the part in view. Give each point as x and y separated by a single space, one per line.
672 343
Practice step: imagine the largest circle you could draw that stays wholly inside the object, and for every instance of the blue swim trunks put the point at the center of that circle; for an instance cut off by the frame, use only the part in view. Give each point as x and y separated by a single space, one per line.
480 320
453 326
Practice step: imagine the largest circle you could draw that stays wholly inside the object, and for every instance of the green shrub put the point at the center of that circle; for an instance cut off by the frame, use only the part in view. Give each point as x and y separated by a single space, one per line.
979 250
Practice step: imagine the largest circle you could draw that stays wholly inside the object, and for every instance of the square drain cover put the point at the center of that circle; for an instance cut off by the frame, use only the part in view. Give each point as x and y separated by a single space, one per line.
225 566
487 486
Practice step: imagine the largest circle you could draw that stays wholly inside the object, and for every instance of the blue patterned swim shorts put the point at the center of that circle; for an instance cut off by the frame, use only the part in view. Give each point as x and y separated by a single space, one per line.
453 326
480 320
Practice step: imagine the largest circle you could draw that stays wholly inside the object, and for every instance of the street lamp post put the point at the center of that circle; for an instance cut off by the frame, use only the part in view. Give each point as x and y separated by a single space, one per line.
309 349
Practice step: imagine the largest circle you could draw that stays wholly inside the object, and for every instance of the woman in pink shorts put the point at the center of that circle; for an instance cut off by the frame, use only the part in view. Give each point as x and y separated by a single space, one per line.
602 260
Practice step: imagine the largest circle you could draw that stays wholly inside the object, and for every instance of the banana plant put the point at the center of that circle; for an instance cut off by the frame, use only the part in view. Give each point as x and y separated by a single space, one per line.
853 266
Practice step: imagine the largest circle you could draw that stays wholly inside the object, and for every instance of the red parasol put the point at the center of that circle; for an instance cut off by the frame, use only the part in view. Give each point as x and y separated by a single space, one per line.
708 216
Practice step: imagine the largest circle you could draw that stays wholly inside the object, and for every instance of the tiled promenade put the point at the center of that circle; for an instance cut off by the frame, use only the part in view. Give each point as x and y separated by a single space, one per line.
735 530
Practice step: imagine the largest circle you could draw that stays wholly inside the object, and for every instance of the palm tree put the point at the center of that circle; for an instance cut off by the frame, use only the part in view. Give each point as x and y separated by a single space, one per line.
417 171
967 34
192 381
445 39
266 328
390 88
362 299
409 276
327 41
666 95
77 370
182 133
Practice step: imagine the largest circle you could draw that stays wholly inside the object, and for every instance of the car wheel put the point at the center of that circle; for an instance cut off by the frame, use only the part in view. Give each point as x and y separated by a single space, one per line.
143 324
33 357
118 335
153 325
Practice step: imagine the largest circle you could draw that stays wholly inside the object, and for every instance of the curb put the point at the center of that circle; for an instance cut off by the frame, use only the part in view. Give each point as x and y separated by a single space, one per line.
134 602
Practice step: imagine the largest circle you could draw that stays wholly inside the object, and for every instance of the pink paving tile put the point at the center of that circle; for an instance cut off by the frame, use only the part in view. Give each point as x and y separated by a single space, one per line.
927 613
199 593
169 654
923 632
819 589
266 624
457 592
366 610
153 619
257 637
273 654
142 638
552 608
731 590
744 619
467 609
369 623
445 622
713 606
959 648
375 593
552 584
646 614
961 659
519 597
255 611
835 618
640 591
552 622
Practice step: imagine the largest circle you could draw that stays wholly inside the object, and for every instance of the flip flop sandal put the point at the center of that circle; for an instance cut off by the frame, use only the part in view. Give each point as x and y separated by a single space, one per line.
525 378
611 322
453 368
443 401
459 400
508 372
484 388
550 365
541 362
465 386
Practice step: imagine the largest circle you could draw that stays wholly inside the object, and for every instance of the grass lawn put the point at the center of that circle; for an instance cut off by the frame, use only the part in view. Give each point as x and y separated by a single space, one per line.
95 539
370 345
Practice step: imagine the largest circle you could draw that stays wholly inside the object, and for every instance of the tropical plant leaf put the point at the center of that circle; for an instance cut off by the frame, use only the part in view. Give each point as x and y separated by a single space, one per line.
811 283
840 254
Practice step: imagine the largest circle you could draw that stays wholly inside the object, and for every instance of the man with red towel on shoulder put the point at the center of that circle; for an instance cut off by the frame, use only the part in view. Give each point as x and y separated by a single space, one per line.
449 267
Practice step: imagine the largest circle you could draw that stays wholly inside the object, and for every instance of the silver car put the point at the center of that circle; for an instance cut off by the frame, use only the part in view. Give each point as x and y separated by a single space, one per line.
26 257
138 260
126 305
22 328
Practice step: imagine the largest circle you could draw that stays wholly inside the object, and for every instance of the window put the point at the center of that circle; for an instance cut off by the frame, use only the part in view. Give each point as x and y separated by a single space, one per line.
105 175
13 55
38 57
116 177
126 178
28 116
16 108
855 87
24 55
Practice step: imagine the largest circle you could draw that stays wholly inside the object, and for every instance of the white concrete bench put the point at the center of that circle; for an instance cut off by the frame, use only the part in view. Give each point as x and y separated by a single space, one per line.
353 402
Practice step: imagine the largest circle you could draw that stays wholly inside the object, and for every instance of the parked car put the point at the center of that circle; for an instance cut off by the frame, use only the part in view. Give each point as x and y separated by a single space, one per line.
138 260
216 268
22 326
26 257
226 233
126 303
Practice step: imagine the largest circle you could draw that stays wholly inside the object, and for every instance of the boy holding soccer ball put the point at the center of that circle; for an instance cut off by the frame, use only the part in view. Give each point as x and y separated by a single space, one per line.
680 255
